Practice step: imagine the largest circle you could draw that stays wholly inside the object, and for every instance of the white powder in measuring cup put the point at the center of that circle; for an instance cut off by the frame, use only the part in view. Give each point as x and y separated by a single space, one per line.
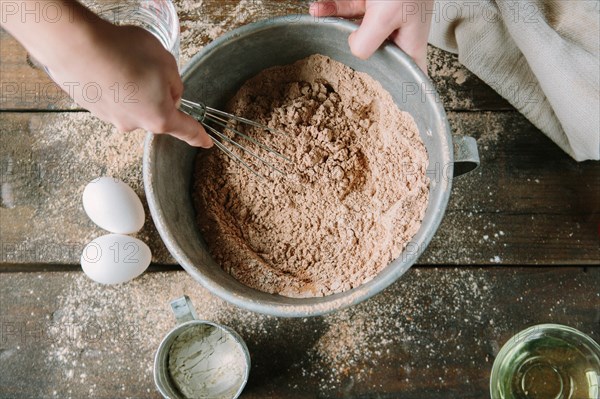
206 362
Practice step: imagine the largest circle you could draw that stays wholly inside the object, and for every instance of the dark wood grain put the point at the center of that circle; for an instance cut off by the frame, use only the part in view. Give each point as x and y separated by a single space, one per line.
434 334
528 203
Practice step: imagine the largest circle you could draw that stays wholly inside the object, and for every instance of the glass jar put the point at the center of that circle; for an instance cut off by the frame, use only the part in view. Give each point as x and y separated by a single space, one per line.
158 17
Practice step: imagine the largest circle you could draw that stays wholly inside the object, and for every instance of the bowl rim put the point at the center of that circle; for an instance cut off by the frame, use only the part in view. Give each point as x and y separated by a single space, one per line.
316 306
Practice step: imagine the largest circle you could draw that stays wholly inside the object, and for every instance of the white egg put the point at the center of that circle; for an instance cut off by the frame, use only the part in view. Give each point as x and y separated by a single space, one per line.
113 205
115 258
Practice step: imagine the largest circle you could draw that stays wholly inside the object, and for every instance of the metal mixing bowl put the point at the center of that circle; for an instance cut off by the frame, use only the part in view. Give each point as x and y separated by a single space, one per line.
215 74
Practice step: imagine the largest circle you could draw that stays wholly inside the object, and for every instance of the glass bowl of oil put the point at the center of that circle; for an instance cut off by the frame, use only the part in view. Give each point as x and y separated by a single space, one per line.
547 361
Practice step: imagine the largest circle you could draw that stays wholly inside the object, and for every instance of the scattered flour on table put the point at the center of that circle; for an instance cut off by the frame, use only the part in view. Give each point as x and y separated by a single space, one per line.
203 21
367 337
94 321
412 321
65 152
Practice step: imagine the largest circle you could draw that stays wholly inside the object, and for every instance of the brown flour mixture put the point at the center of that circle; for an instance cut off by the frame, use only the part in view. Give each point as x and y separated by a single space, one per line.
351 198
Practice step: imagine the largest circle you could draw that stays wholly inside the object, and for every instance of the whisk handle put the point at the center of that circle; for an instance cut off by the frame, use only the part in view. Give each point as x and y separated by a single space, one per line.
197 110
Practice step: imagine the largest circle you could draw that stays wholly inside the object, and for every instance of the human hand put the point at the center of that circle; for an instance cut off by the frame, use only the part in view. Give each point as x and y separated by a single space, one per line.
405 22
122 74
134 82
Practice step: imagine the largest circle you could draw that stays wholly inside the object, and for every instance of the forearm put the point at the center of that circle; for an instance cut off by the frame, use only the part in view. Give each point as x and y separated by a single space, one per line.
51 30
79 47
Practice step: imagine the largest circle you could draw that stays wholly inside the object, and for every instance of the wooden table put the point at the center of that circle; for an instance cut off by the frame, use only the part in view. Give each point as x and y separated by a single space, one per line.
518 246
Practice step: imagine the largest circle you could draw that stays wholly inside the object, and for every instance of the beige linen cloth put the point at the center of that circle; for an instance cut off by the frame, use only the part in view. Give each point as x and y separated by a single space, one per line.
541 55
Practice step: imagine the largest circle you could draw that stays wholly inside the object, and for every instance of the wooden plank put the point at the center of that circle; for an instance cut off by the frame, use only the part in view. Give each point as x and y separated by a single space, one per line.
23 83
433 334
46 160
529 203
25 86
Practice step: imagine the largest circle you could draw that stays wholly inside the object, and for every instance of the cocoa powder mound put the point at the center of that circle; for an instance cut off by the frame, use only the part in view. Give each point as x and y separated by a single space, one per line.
351 196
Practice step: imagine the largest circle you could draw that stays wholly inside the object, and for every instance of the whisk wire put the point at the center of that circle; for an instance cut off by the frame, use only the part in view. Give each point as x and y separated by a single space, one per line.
230 154
223 124
224 137
244 120
213 112
208 116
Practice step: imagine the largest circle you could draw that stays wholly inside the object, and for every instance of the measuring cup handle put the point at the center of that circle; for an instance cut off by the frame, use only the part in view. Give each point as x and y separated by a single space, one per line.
183 309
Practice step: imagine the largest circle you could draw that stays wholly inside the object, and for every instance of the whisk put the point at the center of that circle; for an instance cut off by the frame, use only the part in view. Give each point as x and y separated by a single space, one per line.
211 117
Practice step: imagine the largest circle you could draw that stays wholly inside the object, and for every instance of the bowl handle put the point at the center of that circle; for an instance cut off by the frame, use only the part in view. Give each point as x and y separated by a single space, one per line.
466 155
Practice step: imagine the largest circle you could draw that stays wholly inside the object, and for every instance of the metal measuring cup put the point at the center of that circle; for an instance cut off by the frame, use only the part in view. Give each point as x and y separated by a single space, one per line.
224 363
